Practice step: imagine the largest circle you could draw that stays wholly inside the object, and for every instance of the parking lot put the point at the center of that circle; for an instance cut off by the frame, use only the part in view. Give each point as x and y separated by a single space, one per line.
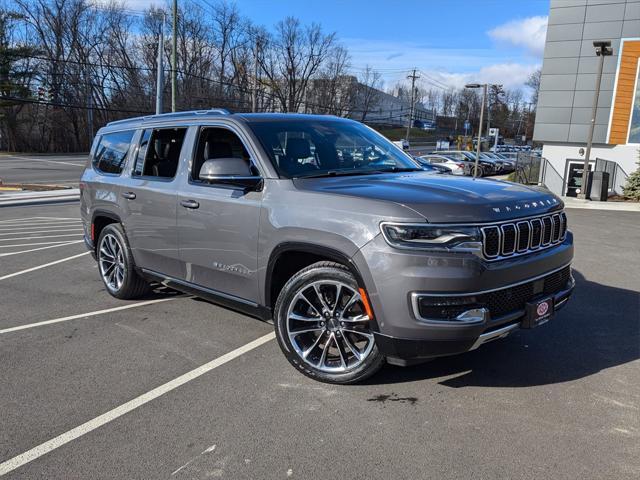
41 169
174 387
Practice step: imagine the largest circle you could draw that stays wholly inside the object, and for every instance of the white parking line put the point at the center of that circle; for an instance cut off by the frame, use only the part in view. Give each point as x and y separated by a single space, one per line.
60 440
21 272
65 223
40 248
69 229
20 219
43 236
35 219
75 164
34 243
87 315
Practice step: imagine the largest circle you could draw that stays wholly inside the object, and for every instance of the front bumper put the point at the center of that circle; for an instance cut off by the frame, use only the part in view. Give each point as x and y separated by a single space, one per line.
403 351
394 279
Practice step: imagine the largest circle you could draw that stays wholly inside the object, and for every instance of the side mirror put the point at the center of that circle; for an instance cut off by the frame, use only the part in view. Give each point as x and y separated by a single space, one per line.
230 171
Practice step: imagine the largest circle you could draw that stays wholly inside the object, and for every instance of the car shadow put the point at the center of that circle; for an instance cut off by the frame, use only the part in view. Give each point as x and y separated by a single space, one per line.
599 328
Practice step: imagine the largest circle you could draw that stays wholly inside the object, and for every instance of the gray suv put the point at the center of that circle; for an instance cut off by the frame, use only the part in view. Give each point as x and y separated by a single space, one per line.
323 226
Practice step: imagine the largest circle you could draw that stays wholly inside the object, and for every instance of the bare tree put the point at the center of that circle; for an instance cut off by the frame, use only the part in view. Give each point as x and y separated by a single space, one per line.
368 91
533 82
293 56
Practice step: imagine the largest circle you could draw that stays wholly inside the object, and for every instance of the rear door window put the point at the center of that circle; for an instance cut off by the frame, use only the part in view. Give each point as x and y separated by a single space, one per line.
111 153
159 153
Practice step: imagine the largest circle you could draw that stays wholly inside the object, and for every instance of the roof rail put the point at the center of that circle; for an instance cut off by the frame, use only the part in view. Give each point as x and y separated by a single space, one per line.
188 113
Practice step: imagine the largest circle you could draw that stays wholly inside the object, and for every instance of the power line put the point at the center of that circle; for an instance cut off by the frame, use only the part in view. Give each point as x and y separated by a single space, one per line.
66 105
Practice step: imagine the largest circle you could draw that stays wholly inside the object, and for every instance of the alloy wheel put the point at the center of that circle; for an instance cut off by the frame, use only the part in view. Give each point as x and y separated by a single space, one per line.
328 326
111 261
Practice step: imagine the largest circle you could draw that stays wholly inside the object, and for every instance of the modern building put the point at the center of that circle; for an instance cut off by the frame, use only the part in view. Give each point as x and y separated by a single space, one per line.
568 85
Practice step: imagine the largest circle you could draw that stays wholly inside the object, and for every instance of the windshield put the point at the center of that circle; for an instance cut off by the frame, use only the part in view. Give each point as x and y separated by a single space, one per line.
313 148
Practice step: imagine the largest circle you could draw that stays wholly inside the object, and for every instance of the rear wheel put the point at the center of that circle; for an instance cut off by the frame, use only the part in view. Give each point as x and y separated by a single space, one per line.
480 171
116 265
323 328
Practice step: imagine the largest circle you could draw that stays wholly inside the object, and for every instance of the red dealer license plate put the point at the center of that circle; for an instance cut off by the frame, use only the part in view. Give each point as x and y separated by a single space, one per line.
538 312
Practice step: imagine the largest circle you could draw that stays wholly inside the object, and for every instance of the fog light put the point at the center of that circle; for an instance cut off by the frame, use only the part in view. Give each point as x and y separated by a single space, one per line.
444 308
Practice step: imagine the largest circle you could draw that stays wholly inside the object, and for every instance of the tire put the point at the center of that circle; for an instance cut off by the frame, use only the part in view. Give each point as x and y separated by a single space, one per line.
480 171
120 276
326 340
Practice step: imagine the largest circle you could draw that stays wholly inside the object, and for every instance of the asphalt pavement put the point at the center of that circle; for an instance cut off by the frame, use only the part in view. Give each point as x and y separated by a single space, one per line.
42 169
171 386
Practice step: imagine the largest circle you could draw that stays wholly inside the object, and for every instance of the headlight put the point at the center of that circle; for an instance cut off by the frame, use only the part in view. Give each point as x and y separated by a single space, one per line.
432 237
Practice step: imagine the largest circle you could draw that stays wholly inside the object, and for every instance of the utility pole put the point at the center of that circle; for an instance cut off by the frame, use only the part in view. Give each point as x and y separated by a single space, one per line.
160 70
603 49
413 78
484 100
488 95
174 48
254 96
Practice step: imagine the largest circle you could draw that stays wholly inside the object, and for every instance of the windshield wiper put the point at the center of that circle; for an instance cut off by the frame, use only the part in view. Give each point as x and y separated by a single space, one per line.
341 173
399 169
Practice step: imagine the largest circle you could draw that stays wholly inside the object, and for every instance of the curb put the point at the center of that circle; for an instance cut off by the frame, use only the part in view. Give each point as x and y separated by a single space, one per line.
591 205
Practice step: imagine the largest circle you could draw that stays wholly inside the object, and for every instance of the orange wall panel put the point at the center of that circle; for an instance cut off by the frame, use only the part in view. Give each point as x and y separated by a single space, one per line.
625 90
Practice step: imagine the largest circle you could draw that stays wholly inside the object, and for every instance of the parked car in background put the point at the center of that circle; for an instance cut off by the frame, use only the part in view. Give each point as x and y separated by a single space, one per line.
403 144
451 166
433 168
424 125
485 167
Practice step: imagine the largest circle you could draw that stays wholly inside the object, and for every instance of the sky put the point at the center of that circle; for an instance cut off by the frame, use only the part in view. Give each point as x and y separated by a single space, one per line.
451 42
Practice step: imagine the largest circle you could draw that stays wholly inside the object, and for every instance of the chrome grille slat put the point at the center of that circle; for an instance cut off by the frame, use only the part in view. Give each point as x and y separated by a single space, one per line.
523 236
546 231
491 245
536 233
508 244
555 232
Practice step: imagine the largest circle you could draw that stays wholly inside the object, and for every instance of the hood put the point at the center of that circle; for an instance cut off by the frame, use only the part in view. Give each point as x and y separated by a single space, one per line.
442 198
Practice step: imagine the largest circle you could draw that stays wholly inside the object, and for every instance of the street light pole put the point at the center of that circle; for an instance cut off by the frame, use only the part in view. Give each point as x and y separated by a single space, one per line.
603 49
484 99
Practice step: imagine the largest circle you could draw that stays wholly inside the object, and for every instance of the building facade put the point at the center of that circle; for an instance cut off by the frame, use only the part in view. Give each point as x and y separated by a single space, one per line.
568 85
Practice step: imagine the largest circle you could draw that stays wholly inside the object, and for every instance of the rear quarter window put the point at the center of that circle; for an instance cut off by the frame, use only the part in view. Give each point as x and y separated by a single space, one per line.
111 152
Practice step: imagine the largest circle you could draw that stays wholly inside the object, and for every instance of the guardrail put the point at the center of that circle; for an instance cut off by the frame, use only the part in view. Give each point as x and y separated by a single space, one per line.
617 176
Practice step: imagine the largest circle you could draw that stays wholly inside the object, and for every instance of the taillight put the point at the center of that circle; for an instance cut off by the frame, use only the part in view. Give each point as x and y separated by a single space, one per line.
461 165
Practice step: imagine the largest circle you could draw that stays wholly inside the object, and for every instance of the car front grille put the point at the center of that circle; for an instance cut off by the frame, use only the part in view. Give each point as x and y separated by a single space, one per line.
525 236
499 302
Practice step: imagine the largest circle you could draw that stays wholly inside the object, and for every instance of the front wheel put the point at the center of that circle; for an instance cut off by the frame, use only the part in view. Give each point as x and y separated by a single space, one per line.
323 328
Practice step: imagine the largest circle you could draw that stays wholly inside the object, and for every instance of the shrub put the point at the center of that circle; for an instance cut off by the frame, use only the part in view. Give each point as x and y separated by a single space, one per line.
632 188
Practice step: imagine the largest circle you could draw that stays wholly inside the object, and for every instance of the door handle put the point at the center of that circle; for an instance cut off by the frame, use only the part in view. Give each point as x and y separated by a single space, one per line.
189 204
129 195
